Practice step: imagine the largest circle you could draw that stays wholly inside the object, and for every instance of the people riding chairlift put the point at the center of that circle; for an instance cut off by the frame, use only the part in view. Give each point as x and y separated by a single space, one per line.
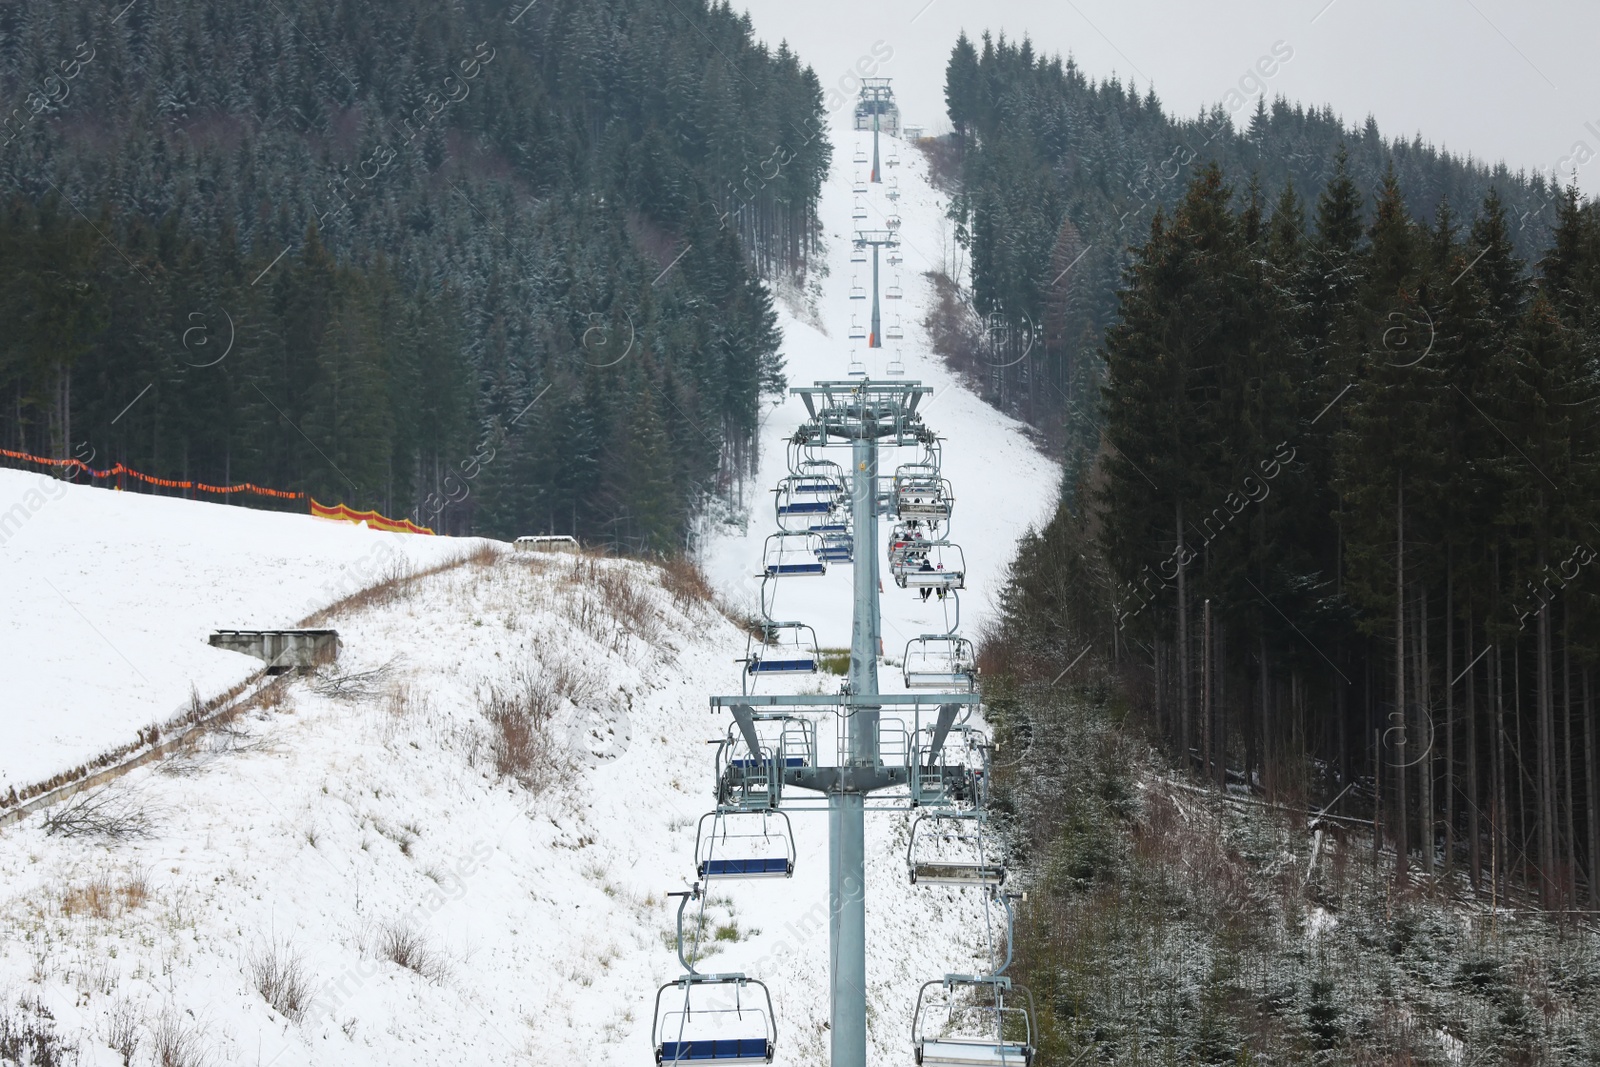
941 588
926 566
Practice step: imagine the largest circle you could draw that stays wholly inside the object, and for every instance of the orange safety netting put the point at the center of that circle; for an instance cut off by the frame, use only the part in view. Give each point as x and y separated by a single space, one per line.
371 518
149 479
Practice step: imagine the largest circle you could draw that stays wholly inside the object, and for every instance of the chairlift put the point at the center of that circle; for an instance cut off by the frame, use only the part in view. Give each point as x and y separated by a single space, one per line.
857 290
801 499
740 846
858 254
954 775
792 553
892 222
973 1021
894 331
838 547
859 185
924 564
858 212
819 471
857 369
785 648
858 332
940 661
702 1030
893 160
894 188
754 782
892 291
896 366
895 258
860 154
920 493
948 848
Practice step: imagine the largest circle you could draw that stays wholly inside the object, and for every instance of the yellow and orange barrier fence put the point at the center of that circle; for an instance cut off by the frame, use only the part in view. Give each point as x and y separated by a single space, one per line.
150 479
321 511
371 518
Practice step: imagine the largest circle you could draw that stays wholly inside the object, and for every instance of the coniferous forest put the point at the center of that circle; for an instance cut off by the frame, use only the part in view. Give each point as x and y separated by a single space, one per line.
1326 538
451 261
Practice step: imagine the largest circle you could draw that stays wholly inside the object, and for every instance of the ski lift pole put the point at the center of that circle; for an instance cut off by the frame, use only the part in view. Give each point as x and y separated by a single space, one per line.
847 810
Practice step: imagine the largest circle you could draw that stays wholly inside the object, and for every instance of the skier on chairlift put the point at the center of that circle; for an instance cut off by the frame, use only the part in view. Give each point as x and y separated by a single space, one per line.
926 566
941 588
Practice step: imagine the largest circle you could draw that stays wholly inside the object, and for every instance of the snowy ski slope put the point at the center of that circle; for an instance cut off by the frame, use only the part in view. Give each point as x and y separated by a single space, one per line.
111 597
1002 483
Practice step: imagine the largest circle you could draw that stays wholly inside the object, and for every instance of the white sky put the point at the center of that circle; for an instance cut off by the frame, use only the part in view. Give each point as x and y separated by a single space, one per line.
1512 80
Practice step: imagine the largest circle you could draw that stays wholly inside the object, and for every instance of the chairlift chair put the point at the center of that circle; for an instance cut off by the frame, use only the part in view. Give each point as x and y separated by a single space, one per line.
947 848
896 366
857 369
754 781
800 500
740 846
893 331
858 254
857 290
858 212
973 1021
929 565
859 185
894 188
895 259
785 648
892 222
697 1026
792 553
858 332
860 154
892 291
940 661
920 493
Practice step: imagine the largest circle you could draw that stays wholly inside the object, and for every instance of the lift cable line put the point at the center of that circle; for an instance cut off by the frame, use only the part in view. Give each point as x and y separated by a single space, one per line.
923 752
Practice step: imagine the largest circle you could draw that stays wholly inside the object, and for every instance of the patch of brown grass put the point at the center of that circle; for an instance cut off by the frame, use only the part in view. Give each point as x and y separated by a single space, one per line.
103 898
686 583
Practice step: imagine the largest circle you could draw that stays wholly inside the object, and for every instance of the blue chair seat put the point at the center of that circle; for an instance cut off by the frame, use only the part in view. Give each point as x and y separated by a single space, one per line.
730 1049
748 764
796 568
805 507
782 666
745 868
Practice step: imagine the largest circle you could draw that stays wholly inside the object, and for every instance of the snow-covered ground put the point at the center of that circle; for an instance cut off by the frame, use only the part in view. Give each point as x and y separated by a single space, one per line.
332 830
326 826
111 597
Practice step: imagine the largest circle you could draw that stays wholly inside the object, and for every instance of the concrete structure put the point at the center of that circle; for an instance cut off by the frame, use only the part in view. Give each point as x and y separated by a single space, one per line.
547 543
282 650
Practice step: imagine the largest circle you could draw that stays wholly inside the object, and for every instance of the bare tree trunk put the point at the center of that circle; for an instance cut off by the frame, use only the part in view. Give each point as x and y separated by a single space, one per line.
1402 817
1592 793
1474 794
1183 646
1449 716
1219 668
1266 718
1500 813
1207 738
1569 884
1425 820
1549 861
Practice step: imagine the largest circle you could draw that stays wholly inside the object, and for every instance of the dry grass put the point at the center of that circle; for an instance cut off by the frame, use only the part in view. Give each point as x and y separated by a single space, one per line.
279 975
102 897
175 1043
686 583
523 738
121 1030
399 943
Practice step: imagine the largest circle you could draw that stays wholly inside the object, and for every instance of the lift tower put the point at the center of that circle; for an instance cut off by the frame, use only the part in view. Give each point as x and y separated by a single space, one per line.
875 239
863 413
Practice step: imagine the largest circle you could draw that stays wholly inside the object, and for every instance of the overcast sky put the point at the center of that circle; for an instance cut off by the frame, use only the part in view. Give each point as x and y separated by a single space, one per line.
1512 80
